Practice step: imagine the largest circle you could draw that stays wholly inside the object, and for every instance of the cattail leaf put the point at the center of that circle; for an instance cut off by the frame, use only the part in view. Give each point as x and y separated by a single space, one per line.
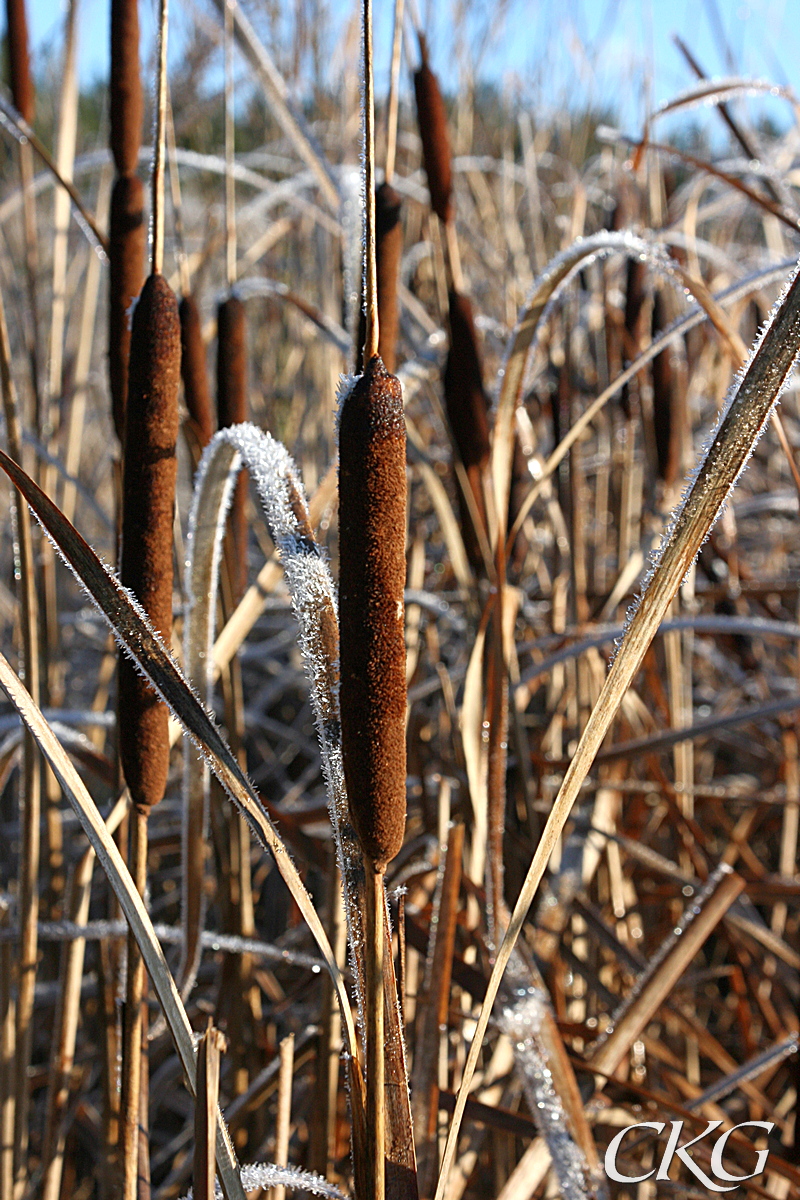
740 425
135 634
131 903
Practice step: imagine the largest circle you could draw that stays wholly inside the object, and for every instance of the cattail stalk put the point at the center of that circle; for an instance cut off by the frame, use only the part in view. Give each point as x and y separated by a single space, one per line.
372 521
149 474
212 1046
127 233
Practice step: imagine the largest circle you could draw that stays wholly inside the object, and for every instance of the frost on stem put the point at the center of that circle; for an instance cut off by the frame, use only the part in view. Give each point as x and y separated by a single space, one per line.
267 1175
314 604
521 1021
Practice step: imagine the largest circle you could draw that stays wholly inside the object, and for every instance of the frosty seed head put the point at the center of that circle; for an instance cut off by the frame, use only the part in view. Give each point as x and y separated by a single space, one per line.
126 103
194 372
432 121
150 468
372 524
127 249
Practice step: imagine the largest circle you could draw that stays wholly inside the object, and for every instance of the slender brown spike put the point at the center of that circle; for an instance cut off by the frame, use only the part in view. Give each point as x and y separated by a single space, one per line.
232 410
669 402
467 412
150 468
194 371
372 525
22 90
634 303
389 238
126 102
432 121
127 250
389 251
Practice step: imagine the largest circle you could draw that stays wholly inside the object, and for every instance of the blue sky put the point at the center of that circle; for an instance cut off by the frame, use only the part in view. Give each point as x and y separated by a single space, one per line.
613 51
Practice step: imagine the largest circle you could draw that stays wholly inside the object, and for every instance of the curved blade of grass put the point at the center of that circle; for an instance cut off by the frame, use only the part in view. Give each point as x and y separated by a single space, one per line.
554 277
130 901
314 604
693 318
135 634
740 425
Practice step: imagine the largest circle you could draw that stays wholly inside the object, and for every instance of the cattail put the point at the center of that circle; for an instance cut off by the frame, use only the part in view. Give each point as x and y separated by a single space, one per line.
372 524
632 332
125 91
150 468
232 410
193 371
468 413
668 402
388 252
127 248
22 91
432 121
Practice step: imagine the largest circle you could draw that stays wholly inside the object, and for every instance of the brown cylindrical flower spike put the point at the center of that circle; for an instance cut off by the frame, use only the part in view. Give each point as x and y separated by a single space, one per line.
127 248
372 525
232 410
194 371
668 402
150 469
125 91
432 121
388 253
467 412
22 91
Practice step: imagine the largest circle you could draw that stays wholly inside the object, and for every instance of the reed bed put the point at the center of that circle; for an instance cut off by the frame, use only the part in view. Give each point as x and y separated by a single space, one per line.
452 812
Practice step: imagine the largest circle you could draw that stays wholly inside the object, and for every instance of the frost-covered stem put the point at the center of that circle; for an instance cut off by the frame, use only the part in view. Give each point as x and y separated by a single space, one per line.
376 1114
157 259
371 271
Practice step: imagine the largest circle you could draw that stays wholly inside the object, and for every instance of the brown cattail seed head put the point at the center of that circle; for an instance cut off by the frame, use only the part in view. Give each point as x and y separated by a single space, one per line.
125 98
194 371
668 402
388 252
465 398
467 412
372 524
150 469
432 121
22 92
232 410
127 248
